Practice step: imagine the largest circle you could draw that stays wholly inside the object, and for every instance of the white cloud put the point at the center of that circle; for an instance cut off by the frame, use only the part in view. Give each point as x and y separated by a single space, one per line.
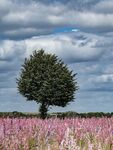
25 19
108 69
93 20
74 30
104 78
105 6
69 47
11 49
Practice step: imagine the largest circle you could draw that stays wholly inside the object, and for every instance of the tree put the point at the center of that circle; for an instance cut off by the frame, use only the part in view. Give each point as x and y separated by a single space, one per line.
45 79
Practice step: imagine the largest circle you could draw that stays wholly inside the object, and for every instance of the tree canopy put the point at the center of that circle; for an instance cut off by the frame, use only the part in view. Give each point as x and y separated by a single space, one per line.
45 78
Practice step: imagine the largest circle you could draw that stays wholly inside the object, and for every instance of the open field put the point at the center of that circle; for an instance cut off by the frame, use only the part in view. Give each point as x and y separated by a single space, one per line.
56 134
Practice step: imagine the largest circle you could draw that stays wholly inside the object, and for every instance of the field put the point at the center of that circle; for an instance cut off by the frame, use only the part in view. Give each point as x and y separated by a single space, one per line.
56 134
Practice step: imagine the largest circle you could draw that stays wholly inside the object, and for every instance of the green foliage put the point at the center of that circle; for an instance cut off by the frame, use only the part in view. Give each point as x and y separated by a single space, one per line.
47 80
69 114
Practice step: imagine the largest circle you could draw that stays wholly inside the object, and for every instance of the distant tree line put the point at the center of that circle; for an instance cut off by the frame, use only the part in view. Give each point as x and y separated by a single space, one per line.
61 115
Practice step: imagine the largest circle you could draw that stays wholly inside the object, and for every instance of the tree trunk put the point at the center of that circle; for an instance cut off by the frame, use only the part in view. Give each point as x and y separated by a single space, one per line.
43 110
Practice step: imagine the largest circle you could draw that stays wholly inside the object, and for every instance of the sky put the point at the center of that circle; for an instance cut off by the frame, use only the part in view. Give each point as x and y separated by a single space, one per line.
80 32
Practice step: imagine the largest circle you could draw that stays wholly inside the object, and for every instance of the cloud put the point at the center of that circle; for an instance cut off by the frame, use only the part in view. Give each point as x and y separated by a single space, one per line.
104 6
73 47
95 82
49 24
11 49
84 53
104 78
25 19
108 69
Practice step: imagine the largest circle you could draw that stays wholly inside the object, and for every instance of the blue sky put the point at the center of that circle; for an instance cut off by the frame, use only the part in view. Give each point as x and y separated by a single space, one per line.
79 32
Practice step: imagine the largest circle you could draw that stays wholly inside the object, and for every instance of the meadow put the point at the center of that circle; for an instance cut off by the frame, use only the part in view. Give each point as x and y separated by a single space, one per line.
56 134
